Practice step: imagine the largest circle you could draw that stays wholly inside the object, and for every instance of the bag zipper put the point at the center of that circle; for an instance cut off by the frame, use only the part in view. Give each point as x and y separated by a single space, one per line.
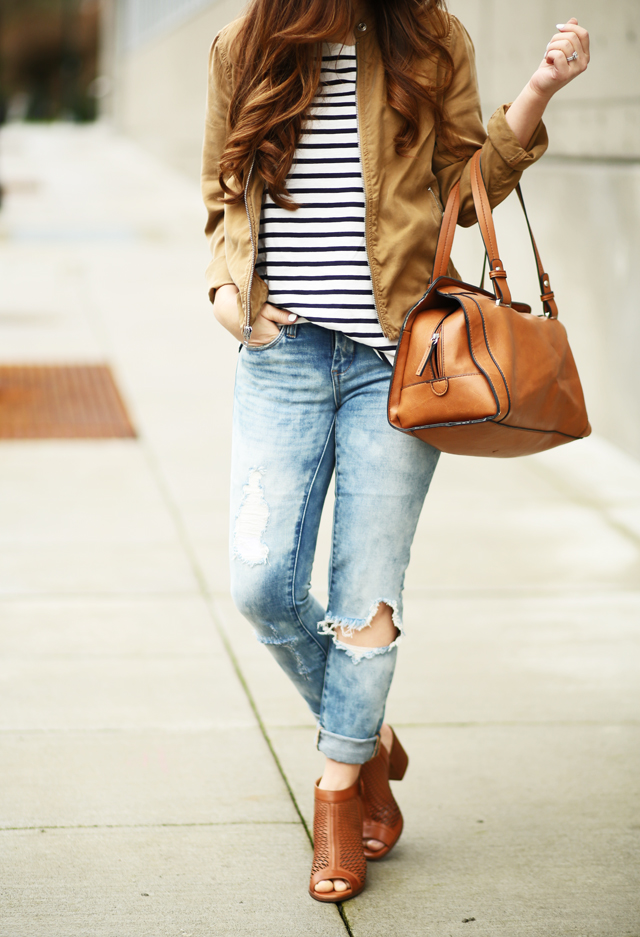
247 330
436 361
426 358
433 352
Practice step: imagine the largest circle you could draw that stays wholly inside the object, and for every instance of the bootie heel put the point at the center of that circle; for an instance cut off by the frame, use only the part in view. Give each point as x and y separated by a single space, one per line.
382 819
398 760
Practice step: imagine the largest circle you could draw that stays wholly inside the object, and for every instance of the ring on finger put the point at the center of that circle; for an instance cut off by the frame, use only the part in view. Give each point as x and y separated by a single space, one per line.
572 58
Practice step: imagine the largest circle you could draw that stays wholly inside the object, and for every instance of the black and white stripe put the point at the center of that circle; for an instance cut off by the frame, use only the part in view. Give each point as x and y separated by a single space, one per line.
314 259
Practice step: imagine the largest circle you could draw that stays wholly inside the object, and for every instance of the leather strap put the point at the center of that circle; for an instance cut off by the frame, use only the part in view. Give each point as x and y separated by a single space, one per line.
546 293
447 233
497 273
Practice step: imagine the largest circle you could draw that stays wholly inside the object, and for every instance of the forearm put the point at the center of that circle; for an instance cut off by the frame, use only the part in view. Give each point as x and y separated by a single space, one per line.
225 309
525 114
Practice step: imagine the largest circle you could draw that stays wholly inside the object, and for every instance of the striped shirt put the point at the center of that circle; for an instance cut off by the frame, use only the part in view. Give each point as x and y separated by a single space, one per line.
314 259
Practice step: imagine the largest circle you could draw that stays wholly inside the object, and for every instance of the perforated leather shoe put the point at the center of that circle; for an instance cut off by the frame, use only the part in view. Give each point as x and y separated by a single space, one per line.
338 853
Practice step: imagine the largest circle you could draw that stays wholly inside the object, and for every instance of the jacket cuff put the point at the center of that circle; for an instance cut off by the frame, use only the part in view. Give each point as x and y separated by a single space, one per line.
217 275
506 143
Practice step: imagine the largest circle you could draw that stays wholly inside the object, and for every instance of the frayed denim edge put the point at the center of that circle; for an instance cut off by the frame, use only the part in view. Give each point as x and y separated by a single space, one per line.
330 623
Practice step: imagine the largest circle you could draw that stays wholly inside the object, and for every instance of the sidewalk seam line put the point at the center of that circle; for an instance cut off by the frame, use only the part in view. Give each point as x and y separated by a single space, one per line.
115 730
466 593
146 826
183 536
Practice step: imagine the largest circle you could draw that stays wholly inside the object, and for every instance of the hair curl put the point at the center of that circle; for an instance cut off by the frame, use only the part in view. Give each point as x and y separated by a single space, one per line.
279 52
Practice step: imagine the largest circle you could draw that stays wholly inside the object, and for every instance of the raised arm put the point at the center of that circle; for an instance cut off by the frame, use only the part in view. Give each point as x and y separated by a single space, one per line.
504 158
516 137
566 57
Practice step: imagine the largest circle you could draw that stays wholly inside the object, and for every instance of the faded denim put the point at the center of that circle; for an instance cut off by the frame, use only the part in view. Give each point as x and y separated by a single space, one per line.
310 403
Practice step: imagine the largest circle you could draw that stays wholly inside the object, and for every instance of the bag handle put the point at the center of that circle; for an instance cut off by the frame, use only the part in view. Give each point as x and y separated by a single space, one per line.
497 273
546 293
447 233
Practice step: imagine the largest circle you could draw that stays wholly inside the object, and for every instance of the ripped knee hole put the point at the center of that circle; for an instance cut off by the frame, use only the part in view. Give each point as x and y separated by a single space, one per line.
380 629
368 638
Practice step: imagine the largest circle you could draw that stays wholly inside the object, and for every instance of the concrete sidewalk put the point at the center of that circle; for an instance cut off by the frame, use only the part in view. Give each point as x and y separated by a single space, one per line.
157 767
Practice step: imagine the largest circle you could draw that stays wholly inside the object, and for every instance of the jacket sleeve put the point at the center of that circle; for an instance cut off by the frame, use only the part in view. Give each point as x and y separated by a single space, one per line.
215 135
503 159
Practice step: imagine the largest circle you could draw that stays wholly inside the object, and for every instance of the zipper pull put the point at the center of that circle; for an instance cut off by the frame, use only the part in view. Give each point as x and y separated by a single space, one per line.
246 333
426 358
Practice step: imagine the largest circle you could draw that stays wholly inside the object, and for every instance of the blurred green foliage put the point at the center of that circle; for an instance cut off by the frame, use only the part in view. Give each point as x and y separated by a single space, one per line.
48 58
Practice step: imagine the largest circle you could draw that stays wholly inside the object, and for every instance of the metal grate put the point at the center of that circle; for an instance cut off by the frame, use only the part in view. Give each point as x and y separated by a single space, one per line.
61 402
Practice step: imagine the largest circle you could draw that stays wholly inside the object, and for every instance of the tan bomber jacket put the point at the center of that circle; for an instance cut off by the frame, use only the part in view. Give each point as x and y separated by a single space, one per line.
404 195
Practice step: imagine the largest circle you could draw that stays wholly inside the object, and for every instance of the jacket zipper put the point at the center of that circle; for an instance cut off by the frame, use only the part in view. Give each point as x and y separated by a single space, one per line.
247 330
437 201
366 246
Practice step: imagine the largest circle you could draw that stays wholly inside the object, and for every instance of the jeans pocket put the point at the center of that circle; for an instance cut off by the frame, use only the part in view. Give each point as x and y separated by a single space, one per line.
258 348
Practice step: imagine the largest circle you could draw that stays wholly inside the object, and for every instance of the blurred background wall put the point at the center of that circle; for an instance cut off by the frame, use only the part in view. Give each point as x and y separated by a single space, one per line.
159 51
583 198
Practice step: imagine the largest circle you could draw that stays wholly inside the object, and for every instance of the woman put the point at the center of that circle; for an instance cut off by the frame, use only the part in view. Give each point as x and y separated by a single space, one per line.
335 131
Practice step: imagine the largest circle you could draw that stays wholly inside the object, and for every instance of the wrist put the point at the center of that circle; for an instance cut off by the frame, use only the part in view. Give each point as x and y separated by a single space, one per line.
541 97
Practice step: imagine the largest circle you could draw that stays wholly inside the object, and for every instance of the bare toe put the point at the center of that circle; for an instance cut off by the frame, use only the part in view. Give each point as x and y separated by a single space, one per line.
373 844
339 885
324 887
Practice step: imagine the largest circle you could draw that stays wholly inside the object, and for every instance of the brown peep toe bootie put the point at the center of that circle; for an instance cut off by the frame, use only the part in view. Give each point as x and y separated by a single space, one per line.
382 819
338 852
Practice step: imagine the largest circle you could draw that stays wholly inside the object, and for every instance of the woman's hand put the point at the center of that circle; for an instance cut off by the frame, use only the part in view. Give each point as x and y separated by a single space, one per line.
265 327
566 57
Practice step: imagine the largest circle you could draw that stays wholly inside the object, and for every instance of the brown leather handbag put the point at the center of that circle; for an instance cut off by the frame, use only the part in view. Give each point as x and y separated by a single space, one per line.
476 373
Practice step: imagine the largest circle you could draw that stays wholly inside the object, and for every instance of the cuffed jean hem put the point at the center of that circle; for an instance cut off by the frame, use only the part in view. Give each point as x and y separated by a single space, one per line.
346 750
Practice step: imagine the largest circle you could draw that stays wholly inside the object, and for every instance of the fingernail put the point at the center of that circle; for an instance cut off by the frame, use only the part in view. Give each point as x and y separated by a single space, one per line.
292 317
560 25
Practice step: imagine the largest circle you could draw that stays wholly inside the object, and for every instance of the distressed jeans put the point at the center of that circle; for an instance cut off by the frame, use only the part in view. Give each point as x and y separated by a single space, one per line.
311 403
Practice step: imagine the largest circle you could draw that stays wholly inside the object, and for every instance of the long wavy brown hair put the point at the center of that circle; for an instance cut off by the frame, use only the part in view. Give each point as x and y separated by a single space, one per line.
278 53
